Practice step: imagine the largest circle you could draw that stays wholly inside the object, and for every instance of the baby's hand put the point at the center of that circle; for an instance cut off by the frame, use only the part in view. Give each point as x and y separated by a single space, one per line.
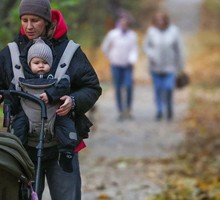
44 97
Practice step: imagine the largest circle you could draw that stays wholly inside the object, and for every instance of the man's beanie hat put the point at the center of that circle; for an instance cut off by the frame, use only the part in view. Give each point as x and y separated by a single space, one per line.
39 8
40 50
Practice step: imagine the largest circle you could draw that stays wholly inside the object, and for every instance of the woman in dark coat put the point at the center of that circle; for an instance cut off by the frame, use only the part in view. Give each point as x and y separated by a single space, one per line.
37 20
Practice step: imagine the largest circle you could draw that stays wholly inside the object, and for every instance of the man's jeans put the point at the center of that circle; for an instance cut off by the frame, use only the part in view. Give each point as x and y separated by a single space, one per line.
164 85
123 78
62 185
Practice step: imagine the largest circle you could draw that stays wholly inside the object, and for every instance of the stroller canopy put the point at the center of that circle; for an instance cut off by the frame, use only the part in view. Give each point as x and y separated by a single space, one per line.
14 158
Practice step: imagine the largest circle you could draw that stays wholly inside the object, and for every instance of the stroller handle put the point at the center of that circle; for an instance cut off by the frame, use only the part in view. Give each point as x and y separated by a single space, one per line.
41 135
30 97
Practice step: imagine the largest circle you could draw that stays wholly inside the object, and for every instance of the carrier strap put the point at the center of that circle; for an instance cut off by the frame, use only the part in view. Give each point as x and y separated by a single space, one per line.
65 59
16 64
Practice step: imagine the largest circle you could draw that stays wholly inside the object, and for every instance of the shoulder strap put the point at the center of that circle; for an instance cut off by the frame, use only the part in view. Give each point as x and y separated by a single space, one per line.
65 59
61 69
16 64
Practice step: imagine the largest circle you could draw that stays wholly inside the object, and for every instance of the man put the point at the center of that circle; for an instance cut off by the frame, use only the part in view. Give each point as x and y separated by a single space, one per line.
120 47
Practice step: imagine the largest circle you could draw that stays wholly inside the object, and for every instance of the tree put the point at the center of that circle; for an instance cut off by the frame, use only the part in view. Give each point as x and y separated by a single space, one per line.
88 21
7 16
5 8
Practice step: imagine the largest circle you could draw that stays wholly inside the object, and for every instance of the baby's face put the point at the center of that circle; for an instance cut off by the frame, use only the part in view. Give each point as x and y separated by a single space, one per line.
39 66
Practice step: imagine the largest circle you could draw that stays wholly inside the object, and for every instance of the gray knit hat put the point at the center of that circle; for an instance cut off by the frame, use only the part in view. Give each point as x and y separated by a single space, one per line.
39 8
40 50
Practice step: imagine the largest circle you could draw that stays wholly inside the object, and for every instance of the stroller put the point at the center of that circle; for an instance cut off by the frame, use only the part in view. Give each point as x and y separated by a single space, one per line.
16 168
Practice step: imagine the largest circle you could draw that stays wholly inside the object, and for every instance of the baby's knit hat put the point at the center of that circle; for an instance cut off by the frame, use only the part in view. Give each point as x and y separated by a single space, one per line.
39 8
40 50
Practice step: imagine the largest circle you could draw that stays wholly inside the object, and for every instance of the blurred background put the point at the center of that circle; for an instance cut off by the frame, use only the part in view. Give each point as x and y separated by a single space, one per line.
142 159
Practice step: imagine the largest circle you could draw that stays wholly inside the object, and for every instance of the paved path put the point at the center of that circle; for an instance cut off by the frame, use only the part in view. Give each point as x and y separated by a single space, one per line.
116 151
184 13
141 137
119 159
117 162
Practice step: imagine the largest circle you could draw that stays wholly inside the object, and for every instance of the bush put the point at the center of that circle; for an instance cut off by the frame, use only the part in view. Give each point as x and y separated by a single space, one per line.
210 14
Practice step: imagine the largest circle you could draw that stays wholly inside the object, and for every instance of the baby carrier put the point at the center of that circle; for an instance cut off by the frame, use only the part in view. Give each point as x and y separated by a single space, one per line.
36 87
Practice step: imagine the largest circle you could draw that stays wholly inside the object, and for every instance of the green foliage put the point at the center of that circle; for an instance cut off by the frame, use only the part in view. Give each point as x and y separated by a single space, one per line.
97 17
88 21
89 29
1 114
62 4
9 25
212 5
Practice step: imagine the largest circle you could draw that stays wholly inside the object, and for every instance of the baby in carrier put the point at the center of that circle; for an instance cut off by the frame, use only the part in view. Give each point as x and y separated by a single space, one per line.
26 123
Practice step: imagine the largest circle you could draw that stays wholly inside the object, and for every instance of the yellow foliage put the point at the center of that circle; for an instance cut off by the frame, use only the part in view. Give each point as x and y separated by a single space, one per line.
205 59
103 196
100 63
194 174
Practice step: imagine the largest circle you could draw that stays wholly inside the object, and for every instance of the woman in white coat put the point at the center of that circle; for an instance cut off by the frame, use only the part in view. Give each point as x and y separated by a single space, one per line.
163 47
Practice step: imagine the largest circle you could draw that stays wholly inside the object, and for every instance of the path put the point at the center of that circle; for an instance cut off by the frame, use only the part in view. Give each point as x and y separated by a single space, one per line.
184 13
115 161
119 162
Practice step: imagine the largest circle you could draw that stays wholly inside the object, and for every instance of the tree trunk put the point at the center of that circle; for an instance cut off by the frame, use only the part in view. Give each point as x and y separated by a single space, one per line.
5 8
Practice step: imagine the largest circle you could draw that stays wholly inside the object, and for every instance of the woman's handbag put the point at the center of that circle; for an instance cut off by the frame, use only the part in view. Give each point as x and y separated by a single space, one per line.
182 80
